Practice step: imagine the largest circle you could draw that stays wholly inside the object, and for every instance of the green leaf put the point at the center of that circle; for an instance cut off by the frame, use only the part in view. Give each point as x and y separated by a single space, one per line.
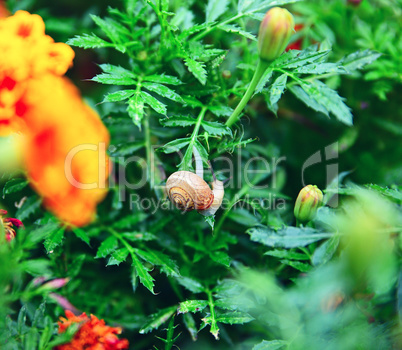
155 104
130 220
307 99
14 185
145 278
294 59
321 68
30 206
88 41
22 318
39 234
197 69
230 28
31 339
270 345
108 246
81 234
220 257
359 59
135 109
174 146
215 8
235 317
36 267
154 257
263 81
115 75
118 96
288 237
191 284
215 128
287 254
163 79
191 326
54 239
221 111
325 251
192 306
156 320
108 28
328 100
164 91
125 149
182 121
303 267
275 92
118 256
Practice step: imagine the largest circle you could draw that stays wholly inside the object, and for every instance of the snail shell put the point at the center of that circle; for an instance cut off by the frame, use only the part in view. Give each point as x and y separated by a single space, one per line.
188 191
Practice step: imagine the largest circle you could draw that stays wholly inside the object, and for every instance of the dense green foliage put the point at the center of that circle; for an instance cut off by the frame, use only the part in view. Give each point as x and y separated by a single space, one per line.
168 76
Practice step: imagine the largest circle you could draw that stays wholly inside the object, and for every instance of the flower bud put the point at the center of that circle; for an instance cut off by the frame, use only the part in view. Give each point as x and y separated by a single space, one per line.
275 30
307 203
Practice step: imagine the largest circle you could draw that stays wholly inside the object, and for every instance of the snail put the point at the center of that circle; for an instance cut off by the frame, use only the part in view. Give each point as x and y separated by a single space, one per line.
189 191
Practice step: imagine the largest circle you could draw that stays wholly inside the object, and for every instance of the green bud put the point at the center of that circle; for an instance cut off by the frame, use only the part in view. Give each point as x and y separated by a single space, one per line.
275 30
307 203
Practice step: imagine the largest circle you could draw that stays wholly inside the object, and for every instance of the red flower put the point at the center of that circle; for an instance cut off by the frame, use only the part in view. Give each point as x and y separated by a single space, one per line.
92 335
296 45
9 224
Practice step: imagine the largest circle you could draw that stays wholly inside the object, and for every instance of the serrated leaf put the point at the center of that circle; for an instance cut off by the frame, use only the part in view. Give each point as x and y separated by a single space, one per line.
82 235
302 267
191 284
330 100
230 28
14 185
118 256
307 99
156 320
115 75
108 28
30 206
359 59
287 254
165 263
88 41
321 68
235 317
135 109
125 149
39 234
270 345
220 257
216 128
139 236
163 79
130 220
263 81
54 239
192 306
288 237
325 251
221 111
164 91
182 121
145 278
118 96
174 146
275 92
202 151
294 58
152 102
215 8
108 246
197 69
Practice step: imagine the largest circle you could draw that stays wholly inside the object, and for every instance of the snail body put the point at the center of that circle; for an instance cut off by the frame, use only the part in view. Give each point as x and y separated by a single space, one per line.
188 191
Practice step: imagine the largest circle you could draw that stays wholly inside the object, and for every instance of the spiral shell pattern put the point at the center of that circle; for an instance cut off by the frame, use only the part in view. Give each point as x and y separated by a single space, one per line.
188 191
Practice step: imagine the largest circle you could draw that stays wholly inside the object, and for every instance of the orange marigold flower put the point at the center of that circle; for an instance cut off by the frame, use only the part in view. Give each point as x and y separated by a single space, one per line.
9 224
92 335
3 9
65 140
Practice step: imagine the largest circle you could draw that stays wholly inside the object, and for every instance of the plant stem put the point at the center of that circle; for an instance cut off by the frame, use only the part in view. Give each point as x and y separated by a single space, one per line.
259 71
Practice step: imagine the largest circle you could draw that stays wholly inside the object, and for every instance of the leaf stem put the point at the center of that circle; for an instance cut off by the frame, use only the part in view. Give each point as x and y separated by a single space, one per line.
259 71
